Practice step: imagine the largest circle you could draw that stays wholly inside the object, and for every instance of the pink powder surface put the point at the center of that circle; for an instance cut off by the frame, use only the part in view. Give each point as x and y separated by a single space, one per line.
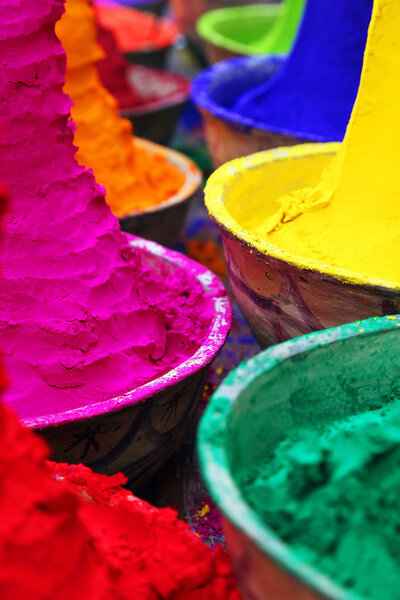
82 317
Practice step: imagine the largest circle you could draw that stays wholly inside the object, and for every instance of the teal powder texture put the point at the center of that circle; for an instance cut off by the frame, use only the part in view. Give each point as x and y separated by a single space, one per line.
333 494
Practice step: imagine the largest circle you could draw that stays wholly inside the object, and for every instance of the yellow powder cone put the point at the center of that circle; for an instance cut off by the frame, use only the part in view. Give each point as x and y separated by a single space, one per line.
351 219
134 178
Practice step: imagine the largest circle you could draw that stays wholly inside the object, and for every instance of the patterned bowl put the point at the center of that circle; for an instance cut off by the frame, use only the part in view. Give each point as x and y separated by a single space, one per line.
281 295
163 223
138 432
215 91
325 373
233 31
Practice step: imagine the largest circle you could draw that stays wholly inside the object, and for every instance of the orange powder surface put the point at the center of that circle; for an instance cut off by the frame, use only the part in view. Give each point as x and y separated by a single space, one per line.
156 180
136 30
134 178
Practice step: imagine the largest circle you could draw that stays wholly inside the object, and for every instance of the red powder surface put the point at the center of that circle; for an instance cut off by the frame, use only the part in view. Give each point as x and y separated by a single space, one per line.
135 30
68 533
113 70
158 555
135 85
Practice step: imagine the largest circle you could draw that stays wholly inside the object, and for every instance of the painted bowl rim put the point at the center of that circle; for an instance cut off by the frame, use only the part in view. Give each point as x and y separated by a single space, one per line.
207 21
193 178
214 463
219 329
180 96
225 175
201 97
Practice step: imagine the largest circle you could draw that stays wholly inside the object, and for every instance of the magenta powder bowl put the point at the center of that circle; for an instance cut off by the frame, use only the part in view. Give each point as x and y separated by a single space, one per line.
136 433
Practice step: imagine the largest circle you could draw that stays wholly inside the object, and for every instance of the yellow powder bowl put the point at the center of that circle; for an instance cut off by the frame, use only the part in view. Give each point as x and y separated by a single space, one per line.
163 223
281 295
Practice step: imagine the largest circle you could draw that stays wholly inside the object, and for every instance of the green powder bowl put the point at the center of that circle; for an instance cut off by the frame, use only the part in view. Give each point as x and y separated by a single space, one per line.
311 380
238 30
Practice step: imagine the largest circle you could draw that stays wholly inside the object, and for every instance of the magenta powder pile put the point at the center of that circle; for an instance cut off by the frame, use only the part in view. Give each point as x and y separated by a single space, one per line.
83 318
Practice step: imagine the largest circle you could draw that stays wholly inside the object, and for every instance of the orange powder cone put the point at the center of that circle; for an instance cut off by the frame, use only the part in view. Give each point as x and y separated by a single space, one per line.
134 178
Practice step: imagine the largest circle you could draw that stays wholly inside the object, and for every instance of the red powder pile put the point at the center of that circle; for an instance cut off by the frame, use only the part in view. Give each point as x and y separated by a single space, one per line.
66 533
135 85
158 555
113 70
135 30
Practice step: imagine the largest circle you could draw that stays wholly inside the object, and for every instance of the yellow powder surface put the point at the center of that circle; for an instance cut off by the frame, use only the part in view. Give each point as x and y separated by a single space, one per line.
351 218
134 178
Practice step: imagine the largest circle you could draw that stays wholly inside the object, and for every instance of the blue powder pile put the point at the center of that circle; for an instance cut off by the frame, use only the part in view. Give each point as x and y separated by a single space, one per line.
312 96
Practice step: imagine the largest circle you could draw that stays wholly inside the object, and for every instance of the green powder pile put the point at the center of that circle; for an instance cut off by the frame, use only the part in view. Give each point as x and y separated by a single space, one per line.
334 496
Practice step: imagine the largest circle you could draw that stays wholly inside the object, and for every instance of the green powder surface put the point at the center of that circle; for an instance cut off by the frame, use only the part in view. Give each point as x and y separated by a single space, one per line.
333 494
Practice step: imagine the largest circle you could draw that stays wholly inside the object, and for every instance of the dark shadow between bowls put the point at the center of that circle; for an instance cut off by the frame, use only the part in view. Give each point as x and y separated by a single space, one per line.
152 57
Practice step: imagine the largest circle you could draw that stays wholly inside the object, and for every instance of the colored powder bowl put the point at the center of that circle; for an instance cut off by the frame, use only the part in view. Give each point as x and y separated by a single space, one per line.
142 37
281 295
235 31
162 96
215 92
163 223
308 382
187 12
137 432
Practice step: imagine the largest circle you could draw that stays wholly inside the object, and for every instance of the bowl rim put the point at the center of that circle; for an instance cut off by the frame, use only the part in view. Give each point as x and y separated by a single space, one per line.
207 21
193 178
179 96
214 463
219 329
201 96
225 175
